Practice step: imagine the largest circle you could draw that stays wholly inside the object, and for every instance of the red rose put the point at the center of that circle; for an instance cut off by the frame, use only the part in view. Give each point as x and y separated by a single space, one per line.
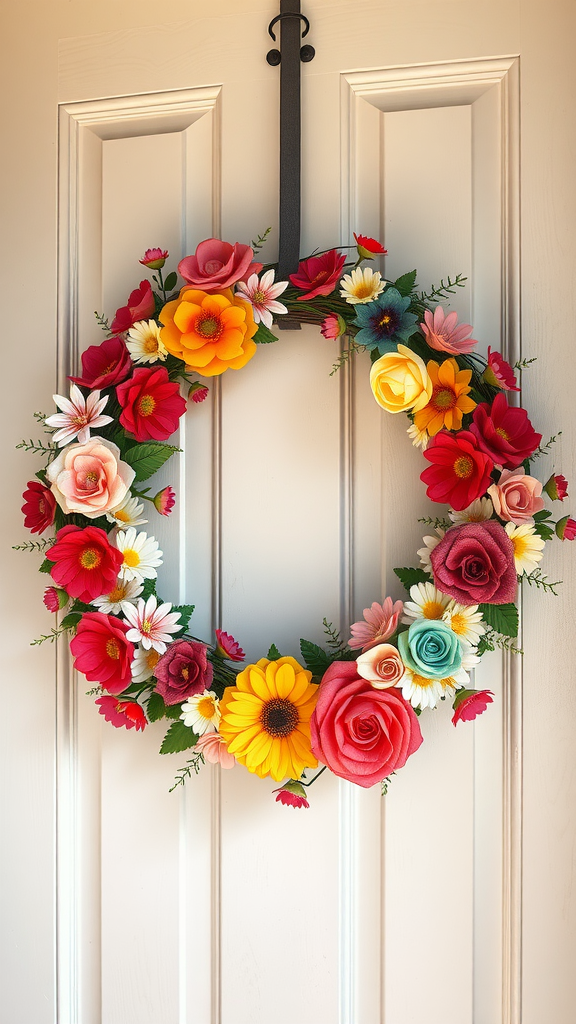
474 564
104 365
86 564
460 472
217 265
127 713
140 306
362 734
102 652
319 274
151 404
182 671
39 506
504 432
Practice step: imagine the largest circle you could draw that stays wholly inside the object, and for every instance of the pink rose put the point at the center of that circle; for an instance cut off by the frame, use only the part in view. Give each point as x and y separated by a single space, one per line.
516 497
183 671
361 734
382 666
217 265
474 564
90 478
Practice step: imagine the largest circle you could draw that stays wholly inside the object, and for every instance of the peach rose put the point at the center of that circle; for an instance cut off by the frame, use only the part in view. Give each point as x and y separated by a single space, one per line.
516 497
382 666
90 478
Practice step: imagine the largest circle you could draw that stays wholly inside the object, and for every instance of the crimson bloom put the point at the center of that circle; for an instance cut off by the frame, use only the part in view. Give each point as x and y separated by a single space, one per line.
504 432
460 472
474 564
154 259
556 487
292 795
469 704
140 306
566 528
217 265
127 713
102 652
368 248
55 599
318 275
104 365
86 564
228 647
499 373
151 404
183 671
39 506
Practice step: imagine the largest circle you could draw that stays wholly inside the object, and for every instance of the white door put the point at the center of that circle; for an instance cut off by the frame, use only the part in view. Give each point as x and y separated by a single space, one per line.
447 901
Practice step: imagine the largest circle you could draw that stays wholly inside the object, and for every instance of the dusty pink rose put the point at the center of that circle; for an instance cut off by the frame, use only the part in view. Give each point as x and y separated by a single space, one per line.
381 622
516 497
362 734
90 478
216 265
183 671
469 704
382 666
214 749
474 564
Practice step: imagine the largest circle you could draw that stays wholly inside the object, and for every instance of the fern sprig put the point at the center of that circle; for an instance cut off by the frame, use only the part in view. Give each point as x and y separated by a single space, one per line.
37 447
345 356
537 578
442 290
53 635
258 243
38 546
523 364
193 765
544 449
437 522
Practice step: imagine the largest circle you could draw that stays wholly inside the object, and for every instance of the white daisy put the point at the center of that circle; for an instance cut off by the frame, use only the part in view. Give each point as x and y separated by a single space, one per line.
127 514
77 416
425 693
527 545
465 621
361 286
430 543
477 512
151 624
427 603
201 711
418 437
142 555
125 590
143 664
144 343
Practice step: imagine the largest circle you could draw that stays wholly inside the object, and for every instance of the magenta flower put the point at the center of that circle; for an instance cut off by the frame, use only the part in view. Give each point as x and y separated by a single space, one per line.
566 528
55 599
469 704
262 293
381 622
154 259
443 335
227 647
164 501
105 364
556 487
292 795
499 373
333 326
198 392
122 713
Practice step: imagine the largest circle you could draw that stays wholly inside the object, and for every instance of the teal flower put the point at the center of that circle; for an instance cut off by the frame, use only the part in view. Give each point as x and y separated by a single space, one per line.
384 323
431 649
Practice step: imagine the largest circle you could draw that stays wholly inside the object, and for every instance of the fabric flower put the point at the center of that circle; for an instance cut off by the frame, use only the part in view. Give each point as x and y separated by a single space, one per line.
556 487
90 478
262 293
78 415
144 664
55 599
499 373
217 265
140 306
334 326
151 404
104 365
443 335
211 333
380 623
361 733
504 432
459 473
318 275
227 646
164 501
400 381
382 666
474 563
85 563
154 259
429 544
477 512
128 514
425 692
465 621
214 750
102 651
368 248
183 671
39 507
385 322
151 624
291 794
122 713
527 545
516 497
198 392
449 400
144 342
361 286
123 590
141 555
266 718
418 437
468 704
426 603
566 528
431 649
201 712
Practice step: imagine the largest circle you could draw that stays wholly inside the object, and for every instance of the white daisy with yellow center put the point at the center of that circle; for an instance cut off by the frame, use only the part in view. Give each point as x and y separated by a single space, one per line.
144 343
466 621
527 546
425 552
141 555
128 514
124 590
425 693
143 664
418 437
361 286
478 512
201 712
427 602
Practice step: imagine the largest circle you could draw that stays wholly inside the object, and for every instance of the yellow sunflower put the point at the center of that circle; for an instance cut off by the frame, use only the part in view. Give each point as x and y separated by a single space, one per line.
449 398
266 718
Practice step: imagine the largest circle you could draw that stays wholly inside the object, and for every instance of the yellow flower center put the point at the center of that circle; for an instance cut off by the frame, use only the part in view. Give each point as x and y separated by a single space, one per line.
432 610
91 478
209 326
80 421
146 405
151 344
443 398
259 297
90 558
279 717
113 649
521 545
146 626
502 433
362 291
385 320
122 515
152 659
463 467
421 681
206 707
458 624
131 558
118 594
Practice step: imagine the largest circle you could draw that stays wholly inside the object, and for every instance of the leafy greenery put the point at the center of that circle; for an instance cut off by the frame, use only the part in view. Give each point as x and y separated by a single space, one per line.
264 335
437 522
170 281
38 447
405 284
71 620
502 617
273 653
544 449
523 364
53 635
343 358
179 737
193 765
185 614
257 243
147 458
442 290
537 578
409 576
46 565
38 546
315 659
490 640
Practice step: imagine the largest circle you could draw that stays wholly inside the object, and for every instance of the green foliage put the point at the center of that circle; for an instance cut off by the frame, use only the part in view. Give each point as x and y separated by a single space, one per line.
148 588
71 620
405 284
490 640
537 578
46 565
409 575
544 449
503 618
315 659
170 281
264 336
179 737
146 459
37 447
257 243
442 290
155 707
185 613
437 522
273 653
38 546
53 635
193 765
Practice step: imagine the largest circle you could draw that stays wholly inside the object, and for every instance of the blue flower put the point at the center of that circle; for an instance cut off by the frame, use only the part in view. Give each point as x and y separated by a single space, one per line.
384 322
431 649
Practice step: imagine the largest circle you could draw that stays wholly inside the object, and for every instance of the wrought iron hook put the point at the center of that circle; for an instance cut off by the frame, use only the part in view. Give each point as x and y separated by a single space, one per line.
289 14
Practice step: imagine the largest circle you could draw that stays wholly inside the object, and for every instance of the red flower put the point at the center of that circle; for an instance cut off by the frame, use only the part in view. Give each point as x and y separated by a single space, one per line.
39 506
86 564
499 373
102 652
154 259
140 306
333 326
151 404
474 564
504 432
164 501
460 472
198 392
292 794
556 487
469 704
368 248
183 671
318 274
566 528
104 365
227 647
55 599
127 713
217 265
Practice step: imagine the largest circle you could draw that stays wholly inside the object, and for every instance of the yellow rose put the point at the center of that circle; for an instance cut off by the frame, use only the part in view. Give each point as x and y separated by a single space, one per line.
400 381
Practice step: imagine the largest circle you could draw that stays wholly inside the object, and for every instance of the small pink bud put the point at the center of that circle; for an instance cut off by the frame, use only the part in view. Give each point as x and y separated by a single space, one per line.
154 259
227 647
557 488
198 392
55 599
499 373
333 326
566 528
164 501
468 704
292 794
368 248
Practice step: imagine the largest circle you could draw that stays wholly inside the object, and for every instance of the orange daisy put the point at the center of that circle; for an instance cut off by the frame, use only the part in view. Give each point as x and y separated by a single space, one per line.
449 401
210 332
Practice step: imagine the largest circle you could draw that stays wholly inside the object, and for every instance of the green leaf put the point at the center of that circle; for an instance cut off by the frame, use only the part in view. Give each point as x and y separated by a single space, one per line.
544 531
264 336
315 659
273 653
155 708
408 576
405 284
179 737
173 710
170 281
147 458
545 513
80 606
502 617
148 588
46 565
70 620
185 613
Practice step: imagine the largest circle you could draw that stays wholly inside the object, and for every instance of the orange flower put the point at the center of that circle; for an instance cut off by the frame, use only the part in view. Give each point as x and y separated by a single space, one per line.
210 332
449 398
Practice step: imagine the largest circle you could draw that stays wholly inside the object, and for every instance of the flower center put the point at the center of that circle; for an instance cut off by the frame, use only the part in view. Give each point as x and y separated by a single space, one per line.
363 290
320 277
386 323
122 515
279 717
131 558
458 624
118 594
146 627
259 297
113 648
432 610
152 658
80 421
443 398
90 558
151 344
209 326
212 266
422 681
185 672
463 467
90 479
206 707
146 405
503 433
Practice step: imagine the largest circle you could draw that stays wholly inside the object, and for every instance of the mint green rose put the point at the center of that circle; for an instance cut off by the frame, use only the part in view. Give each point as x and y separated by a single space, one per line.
430 649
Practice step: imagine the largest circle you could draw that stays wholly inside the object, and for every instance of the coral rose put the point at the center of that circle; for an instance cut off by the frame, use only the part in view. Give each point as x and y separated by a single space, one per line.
86 564
504 432
474 564
39 507
318 275
217 265
182 671
516 497
211 333
90 478
104 365
382 666
360 733
140 306
459 473
400 381
102 652
151 404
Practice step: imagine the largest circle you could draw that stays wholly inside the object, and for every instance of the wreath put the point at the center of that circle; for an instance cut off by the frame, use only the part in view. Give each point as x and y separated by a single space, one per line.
353 705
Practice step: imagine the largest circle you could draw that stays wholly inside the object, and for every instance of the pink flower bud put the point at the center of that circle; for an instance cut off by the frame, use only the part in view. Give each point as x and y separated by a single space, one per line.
198 392
164 501
499 373
468 704
566 528
227 647
333 326
55 599
154 259
292 794
557 488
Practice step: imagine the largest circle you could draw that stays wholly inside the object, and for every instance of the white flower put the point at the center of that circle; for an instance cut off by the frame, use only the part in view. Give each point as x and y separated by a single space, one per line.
427 603
77 416
125 590
477 512
261 294
465 621
151 625
201 711
418 437
425 693
144 343
143 664
142 555
527 546
127 514
430 543
361 286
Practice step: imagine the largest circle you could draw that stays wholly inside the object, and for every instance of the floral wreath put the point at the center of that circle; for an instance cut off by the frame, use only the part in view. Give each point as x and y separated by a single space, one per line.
352 706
